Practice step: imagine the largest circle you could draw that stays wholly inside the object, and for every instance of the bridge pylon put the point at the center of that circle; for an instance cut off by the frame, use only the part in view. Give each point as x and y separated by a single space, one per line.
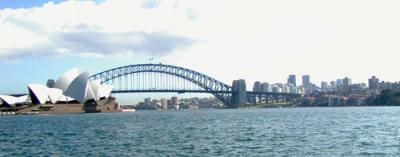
239 93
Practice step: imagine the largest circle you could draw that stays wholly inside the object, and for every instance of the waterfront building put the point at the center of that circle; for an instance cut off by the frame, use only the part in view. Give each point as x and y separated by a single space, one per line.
358 88
169 102
339 82
147 100
324 86
280 85
293 89
373 83
286 88
300 90
175 102
333 84
164 103
265 87
292 80
276 89
71 86
156 102
389 85
257 86
346 84
306 81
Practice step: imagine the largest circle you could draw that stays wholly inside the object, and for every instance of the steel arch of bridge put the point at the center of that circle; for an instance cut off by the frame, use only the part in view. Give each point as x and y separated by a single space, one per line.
210 85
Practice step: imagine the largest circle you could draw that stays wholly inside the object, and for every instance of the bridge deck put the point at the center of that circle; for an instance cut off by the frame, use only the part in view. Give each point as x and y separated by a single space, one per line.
197 91
167 91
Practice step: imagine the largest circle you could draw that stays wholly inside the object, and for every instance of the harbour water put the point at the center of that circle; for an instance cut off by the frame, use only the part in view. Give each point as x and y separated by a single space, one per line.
348 131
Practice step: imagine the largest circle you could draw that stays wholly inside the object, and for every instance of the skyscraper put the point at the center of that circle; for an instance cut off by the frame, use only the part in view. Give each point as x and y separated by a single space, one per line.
306 80
147 100
257 86
346 84
373 83
265 87
164 103
324 86
175 102
50 83
333 84
339 82
292 80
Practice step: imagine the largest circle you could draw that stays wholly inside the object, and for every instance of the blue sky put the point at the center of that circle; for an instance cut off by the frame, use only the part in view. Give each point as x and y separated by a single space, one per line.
23 3
37 70
28 3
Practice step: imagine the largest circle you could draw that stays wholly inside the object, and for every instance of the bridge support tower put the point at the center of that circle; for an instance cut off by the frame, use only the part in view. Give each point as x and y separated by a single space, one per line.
239 93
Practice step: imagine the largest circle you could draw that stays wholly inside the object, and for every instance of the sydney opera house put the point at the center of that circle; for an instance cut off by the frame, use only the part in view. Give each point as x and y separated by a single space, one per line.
73 92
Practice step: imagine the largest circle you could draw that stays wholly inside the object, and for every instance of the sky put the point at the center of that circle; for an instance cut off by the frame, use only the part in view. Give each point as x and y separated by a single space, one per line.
256 40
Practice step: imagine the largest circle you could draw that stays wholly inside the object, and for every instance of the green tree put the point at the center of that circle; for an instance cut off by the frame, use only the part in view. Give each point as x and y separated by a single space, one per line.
388 97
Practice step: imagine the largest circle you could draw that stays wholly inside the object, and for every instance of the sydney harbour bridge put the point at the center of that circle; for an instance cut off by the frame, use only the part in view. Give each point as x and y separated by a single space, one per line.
158 78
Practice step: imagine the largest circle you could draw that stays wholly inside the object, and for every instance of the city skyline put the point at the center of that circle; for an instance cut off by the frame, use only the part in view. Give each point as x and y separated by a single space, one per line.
199 78
266 41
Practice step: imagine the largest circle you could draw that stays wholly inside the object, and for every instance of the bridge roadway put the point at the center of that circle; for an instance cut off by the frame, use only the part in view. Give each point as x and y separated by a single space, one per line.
201 91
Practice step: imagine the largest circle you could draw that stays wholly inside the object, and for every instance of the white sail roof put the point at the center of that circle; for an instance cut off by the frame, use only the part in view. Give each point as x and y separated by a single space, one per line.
89 93
54 94
79 87
11 100
95 87
105 90
65 80
65 98
40 92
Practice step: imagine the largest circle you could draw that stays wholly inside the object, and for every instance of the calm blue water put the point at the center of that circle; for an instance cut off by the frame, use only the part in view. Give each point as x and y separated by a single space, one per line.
363 131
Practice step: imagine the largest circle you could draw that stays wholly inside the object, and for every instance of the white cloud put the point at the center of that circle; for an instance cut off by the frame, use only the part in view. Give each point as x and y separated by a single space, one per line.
256 40
82 28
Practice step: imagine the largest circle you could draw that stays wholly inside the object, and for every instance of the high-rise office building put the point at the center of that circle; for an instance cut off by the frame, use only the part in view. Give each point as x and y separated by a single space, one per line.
324 86
257 86
50 83
346 84
292 80
339 82
147 100
373 83
306 81
276 89
265 87
175 102
164 103
333 84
